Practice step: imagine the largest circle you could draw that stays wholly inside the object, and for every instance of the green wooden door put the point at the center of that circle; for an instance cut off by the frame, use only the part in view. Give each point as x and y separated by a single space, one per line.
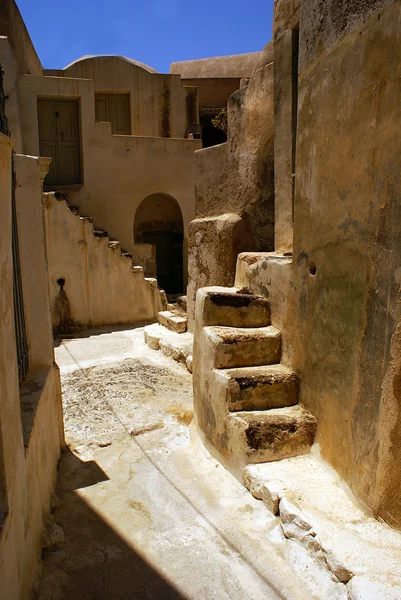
59 139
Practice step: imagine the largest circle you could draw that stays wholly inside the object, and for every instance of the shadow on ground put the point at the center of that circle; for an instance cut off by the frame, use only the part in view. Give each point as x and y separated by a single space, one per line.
94 562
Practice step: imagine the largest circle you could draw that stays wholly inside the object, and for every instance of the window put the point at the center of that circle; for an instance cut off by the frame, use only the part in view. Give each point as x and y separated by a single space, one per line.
114 109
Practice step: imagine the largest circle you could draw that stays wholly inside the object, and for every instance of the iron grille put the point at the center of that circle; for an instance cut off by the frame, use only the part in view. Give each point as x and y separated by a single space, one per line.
19 315
3 118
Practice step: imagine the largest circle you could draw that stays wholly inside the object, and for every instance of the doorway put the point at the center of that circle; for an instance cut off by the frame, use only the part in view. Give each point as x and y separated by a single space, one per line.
158 221
59 139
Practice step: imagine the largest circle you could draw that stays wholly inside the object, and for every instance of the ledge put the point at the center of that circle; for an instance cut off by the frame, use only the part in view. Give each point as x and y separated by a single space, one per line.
31 391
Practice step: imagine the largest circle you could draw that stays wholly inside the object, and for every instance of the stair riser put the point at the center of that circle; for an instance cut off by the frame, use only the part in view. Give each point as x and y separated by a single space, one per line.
252 314
263 396
273 439
252 353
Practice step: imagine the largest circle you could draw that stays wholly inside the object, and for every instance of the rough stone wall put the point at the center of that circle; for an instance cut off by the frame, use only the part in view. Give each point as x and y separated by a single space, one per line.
337 301
237 177
236 65
346 318
91 283
235 181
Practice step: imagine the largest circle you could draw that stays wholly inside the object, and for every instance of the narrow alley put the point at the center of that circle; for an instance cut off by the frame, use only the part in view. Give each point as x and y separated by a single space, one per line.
142 510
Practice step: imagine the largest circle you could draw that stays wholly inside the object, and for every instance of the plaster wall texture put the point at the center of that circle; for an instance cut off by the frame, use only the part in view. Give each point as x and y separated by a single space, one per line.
341 318
31 431
346 317
13 26
134 167
101 286
286 16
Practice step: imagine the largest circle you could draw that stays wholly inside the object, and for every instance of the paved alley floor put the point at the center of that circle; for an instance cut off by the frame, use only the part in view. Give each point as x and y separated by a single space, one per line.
142 510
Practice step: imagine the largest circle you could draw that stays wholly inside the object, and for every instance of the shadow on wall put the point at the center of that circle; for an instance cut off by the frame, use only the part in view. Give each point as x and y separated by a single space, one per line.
158 221
105 566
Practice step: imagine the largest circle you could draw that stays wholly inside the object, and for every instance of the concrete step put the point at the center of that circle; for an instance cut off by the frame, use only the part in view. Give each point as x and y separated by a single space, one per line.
100 233
233 308
258 388
181 305
244 346
114 245
172 321
266 436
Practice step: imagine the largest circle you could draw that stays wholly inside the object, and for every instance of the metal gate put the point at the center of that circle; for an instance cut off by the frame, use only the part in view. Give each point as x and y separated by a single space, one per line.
19 315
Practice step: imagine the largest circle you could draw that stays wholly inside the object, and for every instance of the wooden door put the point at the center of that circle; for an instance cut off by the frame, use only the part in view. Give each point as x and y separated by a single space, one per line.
59 139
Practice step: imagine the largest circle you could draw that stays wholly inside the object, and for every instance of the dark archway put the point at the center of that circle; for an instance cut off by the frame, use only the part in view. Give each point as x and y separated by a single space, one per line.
158 221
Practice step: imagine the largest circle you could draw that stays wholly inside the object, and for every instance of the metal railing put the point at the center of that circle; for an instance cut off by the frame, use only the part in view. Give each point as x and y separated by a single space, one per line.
19 315
3 118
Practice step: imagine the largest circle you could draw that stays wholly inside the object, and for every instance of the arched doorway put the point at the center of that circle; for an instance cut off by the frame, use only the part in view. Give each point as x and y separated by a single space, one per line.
158 221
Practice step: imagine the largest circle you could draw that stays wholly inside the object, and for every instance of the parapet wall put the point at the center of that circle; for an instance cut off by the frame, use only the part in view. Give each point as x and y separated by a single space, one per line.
91 282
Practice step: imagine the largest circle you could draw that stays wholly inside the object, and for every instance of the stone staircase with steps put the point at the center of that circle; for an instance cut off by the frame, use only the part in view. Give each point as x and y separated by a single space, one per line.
175 317
105 287
246 401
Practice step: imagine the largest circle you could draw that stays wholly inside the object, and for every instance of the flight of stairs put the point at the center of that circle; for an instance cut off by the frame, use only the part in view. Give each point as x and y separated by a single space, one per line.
175 317
100 281
246 401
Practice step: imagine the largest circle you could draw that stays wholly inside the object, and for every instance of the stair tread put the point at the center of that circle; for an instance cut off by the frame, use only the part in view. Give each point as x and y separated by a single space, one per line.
258 373
167 314
287 412
222 295
241 334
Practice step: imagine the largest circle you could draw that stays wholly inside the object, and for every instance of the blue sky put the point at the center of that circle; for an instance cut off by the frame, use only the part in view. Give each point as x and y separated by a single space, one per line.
155 32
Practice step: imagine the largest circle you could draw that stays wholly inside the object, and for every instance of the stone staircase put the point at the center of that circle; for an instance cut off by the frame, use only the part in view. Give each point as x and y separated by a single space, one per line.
175 318
246 401
101 282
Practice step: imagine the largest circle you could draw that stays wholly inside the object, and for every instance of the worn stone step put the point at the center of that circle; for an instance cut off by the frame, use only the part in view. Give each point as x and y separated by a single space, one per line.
172 321
181 305
234 308
244 346
115 245
100 233
258 388
266 436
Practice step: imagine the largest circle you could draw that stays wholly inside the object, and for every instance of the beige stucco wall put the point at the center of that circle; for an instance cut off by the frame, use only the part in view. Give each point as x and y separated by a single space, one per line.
158 102
101 286
31 430
118 171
